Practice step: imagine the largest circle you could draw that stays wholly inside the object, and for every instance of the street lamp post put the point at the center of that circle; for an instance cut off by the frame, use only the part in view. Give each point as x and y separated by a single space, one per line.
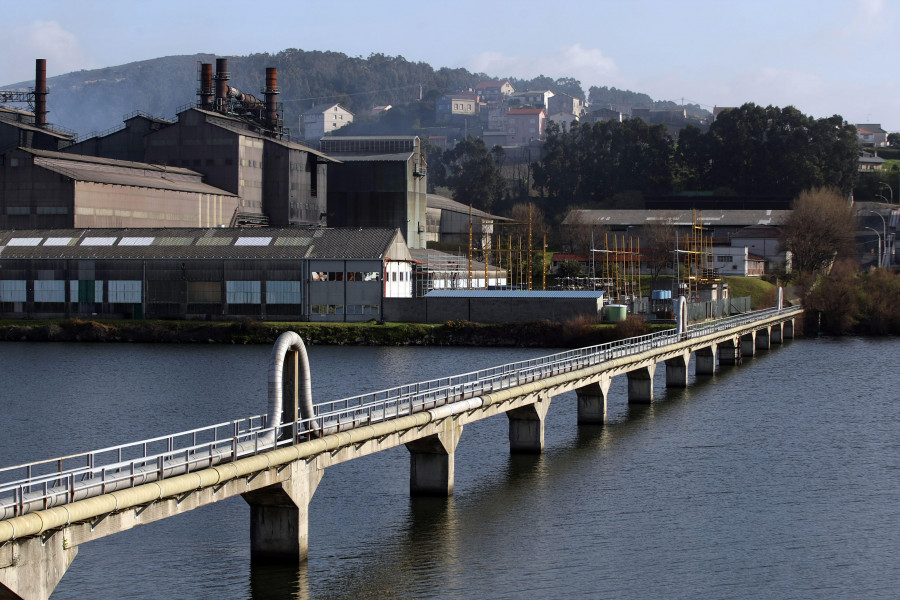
878 235
889 190
884 234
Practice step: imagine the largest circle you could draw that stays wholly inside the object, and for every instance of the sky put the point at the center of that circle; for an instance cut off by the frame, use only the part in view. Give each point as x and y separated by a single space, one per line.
824 57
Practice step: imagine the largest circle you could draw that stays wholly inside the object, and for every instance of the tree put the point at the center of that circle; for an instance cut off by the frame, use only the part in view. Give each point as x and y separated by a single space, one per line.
820 228
474 176
657 247
893 140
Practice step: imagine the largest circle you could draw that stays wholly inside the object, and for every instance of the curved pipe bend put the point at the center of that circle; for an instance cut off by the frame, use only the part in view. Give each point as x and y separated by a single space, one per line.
289 340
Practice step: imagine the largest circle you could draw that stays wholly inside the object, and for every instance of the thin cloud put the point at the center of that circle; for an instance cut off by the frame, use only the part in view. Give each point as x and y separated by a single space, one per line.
43 39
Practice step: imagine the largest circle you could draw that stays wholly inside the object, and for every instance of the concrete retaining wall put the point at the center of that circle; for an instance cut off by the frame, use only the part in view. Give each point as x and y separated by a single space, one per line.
489 310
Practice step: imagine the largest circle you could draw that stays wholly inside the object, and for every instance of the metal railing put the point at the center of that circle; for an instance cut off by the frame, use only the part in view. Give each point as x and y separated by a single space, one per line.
43 484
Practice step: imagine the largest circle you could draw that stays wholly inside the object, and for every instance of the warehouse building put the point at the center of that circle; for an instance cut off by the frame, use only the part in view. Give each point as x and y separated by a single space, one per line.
203 273
41 189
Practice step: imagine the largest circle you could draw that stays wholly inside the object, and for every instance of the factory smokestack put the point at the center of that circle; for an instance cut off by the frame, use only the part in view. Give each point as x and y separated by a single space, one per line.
221 78
271 92
206 86
40 92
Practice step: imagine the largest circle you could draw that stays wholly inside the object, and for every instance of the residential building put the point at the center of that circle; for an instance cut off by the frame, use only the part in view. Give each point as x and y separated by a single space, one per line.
532 99
563 119
460 104
564 103
524 125
870 161
871 134
494 91
324 119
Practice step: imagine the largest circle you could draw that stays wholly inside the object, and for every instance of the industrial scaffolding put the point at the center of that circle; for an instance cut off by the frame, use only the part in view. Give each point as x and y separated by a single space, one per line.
694 271
620 268
516 257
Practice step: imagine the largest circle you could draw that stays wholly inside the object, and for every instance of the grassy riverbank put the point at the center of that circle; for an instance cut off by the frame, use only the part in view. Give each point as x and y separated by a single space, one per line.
454 333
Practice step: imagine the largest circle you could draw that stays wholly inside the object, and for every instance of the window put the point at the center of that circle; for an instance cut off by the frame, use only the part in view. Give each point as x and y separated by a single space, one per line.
243 292
85 291
52 290
282 292
13 290
125 291
725 259
204 292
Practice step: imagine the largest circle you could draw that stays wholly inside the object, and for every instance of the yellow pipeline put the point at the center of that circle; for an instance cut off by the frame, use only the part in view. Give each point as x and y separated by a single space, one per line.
44 520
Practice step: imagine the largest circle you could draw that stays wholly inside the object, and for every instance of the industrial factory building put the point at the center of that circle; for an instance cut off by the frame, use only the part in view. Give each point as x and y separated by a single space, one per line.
378 182
41 189
204 273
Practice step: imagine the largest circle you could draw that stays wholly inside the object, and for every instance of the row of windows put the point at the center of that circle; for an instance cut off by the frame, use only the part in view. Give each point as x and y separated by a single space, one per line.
130 291
41 210
724 259
341 309
350 276
54 290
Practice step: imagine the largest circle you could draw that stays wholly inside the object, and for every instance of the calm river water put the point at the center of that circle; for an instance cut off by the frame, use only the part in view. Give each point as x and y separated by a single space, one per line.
776 479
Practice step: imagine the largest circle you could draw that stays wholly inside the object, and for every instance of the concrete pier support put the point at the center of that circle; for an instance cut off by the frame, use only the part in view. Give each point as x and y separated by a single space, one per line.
731 353
640 385
705 360
592 402
431 465
775 336
787 329
526 427
677 371
763 339
279 516
30 569
748 344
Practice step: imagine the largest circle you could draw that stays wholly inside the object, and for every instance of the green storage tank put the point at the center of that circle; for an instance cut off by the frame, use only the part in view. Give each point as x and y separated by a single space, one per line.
616 312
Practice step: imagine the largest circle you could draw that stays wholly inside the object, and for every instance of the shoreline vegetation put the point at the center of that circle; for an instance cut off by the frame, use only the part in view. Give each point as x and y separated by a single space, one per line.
539 334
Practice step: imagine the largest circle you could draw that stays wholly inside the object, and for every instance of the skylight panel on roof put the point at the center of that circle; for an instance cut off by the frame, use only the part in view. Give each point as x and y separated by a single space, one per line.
252 241
136 241
293 241
24 241
58 241
175 241
98 241
215 241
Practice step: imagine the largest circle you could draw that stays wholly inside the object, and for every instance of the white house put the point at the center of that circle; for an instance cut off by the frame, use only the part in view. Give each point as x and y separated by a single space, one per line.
323 119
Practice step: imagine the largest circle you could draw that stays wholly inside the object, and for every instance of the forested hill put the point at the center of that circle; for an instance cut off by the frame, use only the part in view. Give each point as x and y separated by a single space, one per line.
96 100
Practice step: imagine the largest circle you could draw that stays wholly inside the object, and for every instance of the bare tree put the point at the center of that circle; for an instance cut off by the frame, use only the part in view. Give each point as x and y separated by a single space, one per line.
820 228
658 245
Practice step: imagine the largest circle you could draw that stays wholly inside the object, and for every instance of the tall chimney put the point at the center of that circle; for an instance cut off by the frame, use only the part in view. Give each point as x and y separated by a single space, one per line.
271 92
40 92
206 86
221 78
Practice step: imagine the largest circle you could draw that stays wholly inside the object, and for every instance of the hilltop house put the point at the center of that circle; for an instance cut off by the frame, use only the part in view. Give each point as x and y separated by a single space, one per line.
323 119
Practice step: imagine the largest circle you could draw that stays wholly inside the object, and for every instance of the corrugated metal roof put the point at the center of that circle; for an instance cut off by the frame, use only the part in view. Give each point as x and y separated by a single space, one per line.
120 172
725 218
444 203
188 243
514 294
350 157
236 125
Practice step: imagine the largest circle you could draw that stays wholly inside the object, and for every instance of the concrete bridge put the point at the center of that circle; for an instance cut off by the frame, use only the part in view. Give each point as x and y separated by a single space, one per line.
276 461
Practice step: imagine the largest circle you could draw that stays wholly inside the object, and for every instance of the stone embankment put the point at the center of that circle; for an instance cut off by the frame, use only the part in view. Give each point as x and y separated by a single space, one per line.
454 333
